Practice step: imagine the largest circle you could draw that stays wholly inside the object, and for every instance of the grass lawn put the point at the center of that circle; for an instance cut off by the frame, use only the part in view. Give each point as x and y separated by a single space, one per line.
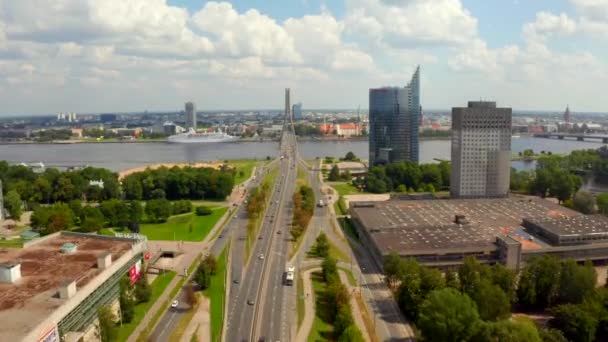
178 227
244 168
321 329
340 206
159 285
300 301
334 252
16 243
345 189
216 294
106 232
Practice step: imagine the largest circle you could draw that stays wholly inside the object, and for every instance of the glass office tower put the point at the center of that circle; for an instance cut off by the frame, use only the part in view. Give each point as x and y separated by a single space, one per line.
393 122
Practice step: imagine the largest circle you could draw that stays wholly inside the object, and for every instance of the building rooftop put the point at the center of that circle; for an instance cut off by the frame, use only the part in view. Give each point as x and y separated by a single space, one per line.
583 225
44 268
420 226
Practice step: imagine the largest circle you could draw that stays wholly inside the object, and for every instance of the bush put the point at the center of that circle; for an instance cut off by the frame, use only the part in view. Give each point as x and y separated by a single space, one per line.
181 207
203 211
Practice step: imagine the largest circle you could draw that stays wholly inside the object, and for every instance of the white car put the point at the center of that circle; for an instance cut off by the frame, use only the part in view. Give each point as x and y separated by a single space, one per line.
261 257
174 304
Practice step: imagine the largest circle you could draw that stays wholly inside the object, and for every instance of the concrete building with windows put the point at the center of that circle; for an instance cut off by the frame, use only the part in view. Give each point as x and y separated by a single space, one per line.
190 115
394 117
52 288
442 232
481 150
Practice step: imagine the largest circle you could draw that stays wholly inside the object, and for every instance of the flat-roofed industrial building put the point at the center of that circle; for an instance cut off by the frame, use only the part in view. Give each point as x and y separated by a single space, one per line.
442 232
51 289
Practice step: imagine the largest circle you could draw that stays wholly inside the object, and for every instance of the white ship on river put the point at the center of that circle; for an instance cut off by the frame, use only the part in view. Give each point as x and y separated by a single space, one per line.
192 137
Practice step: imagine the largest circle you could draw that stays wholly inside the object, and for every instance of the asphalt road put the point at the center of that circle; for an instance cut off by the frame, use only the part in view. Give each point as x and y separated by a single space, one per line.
247 299
172 317
272 322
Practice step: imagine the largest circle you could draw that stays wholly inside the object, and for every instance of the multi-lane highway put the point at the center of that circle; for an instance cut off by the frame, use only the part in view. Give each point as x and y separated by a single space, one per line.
236 223
250 301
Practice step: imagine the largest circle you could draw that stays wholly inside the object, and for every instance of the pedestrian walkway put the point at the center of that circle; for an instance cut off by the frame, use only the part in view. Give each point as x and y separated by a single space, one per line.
200 323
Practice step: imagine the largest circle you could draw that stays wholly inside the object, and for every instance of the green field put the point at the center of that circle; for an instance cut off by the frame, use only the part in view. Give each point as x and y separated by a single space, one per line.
321 329
17 243
244 168
216 294
159 285
178 227
334 252
345 189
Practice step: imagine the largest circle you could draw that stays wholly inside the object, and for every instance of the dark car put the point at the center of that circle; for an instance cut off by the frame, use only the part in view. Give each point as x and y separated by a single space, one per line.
251 302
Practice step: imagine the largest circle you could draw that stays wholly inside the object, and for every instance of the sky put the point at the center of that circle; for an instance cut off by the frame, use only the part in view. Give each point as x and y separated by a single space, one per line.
92 56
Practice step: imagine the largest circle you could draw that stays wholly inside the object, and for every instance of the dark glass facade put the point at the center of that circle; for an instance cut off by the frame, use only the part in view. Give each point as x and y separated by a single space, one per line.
394 116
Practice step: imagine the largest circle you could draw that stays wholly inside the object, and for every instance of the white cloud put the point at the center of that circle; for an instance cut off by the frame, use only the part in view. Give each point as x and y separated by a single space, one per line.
548 24
247 34
412 22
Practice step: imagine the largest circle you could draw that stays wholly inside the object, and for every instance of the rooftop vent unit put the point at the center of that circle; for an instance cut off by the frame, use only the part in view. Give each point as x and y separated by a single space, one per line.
104 260
460 219
67 289
69 248
10 272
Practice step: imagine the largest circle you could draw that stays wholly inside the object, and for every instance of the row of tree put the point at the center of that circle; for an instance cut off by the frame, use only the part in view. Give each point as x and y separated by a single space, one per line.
407 177
476 300
303 208
336 305
204 272
110 213
54 186
179 183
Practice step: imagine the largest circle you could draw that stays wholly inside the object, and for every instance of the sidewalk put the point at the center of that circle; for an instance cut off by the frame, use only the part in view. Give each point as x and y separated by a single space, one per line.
309 306
200 323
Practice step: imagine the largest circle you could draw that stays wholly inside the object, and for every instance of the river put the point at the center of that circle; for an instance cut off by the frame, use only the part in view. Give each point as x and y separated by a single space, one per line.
120 156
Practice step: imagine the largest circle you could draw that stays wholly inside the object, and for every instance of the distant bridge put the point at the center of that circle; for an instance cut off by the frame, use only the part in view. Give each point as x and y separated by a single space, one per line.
577 136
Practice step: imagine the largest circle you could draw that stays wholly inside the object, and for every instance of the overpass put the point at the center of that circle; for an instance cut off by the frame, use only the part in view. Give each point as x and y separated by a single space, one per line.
577 136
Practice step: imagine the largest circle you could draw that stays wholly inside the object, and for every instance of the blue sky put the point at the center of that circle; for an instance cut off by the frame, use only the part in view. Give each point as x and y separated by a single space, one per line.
132 55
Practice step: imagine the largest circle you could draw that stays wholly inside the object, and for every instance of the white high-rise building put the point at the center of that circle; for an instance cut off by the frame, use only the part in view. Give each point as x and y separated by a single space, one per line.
481 150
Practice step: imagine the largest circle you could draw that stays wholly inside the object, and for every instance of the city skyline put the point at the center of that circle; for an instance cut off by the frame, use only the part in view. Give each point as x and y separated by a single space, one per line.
126 56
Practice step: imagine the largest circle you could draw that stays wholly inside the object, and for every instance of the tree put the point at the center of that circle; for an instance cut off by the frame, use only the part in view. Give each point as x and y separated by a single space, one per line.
447 315
116 212
158 210
539 282
350 156
127 302
351 334
13 204
343 320
574 322
334 174
393 268
330 269
107 330
431 279
91 219
210 263
492 302
551 335
584 202
203 211
528 153
564 185
505 279
191 297
469 274
322 246
508 331
451 280
202 278
576 281
143 291
602 203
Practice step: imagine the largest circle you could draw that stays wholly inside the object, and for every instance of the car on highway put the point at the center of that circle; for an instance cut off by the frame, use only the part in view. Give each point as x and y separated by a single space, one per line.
236 280
174 304
279 232
251 302
261 256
